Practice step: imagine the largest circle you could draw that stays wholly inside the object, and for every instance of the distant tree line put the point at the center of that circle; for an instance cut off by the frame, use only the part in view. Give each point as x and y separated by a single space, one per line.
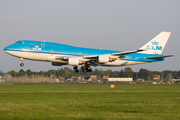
68 73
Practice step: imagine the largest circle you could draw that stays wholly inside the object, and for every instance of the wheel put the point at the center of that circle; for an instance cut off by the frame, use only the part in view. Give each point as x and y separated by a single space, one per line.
75 67
22 64
83 69
89 70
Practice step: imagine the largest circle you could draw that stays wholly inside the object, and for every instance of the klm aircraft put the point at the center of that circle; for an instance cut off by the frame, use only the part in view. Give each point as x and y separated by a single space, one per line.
61 54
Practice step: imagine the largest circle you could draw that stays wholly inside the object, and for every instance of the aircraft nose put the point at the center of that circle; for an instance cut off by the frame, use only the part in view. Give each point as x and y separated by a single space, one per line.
6 48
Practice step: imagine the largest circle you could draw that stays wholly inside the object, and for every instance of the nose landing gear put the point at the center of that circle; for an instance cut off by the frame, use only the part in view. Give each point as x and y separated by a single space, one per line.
22 64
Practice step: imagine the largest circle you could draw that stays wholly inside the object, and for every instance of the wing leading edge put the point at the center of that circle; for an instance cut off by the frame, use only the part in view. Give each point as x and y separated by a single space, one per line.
114 54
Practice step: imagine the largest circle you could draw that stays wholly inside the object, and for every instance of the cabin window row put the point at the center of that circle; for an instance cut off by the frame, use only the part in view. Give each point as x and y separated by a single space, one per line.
40 44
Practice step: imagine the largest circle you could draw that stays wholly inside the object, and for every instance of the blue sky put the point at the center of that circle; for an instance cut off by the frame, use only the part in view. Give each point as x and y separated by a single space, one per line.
108 24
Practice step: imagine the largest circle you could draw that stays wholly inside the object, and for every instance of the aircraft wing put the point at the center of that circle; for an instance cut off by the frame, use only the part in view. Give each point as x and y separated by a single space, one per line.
114 54
92 59
128 52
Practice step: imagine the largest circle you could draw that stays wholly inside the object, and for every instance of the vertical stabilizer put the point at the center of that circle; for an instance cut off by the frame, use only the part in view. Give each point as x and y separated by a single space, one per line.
157 44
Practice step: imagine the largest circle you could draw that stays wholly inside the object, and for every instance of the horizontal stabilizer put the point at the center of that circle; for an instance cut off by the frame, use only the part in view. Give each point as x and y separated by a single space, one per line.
159 57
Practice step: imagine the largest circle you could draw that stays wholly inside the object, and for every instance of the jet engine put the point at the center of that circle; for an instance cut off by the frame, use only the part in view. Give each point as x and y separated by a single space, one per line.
73 61
105 59
56 64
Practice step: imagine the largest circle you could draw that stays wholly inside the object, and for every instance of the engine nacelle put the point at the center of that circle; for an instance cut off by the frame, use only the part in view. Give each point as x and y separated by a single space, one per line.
73 61
56 64
103 59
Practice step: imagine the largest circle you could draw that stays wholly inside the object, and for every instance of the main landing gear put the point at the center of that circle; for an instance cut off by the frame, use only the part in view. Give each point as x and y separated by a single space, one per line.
86 68
76 69
22 64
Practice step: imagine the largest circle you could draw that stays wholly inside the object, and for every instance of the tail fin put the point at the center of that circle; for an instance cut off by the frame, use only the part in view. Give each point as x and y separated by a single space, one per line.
157 44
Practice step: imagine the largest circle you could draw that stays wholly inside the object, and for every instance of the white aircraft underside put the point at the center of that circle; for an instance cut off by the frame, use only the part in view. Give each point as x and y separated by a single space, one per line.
52 58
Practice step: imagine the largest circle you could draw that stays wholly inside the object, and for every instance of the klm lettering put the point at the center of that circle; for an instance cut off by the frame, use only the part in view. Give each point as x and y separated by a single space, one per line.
155 47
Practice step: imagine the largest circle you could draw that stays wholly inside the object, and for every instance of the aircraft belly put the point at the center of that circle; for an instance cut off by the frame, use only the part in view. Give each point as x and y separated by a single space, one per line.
13 53
38 56
28 55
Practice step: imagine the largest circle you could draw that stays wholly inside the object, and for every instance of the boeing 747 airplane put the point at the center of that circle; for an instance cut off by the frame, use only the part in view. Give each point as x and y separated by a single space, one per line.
61 54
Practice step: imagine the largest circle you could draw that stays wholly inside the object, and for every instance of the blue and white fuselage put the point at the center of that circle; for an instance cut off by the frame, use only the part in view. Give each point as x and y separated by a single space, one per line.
61 54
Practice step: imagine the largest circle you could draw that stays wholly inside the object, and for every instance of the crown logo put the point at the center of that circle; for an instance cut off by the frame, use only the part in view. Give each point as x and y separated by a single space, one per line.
36 48
155 43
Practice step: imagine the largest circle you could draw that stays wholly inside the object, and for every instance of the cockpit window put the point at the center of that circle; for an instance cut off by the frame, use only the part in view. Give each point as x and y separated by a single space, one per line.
18 42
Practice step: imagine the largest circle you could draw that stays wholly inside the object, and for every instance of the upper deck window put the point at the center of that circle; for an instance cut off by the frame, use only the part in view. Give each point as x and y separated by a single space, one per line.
41 44
33 44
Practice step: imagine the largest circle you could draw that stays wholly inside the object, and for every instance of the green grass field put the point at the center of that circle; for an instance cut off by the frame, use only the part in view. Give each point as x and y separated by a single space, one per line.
99 102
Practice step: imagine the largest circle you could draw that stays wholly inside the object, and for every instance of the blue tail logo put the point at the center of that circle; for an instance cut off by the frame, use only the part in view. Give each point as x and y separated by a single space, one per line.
155 43
154 46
